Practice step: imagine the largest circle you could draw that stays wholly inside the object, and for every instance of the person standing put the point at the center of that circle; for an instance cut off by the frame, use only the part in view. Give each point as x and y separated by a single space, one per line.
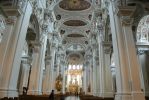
62 97
51 96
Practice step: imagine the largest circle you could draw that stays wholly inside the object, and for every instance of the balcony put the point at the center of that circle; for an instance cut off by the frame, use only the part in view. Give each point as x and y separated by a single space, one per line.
12 7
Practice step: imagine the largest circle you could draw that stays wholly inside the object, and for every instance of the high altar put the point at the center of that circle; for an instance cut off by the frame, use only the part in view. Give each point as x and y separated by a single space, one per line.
74 79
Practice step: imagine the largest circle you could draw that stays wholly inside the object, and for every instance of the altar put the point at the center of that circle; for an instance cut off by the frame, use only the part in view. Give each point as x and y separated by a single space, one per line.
74 79
73 88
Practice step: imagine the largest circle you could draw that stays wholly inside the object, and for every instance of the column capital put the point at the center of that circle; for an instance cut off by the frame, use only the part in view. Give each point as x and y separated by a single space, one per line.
126 14
36 46
126 20
107 50
141 51
11 20
107 47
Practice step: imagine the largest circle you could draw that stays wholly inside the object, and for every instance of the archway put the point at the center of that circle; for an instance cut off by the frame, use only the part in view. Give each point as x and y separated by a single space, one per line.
32 38
143 30
142 37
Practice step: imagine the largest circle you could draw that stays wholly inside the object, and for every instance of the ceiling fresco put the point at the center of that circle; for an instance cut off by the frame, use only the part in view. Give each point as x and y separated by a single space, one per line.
75 23
74 5
75 35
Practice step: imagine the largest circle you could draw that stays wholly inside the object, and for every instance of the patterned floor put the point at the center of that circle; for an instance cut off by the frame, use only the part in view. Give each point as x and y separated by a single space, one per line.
72 98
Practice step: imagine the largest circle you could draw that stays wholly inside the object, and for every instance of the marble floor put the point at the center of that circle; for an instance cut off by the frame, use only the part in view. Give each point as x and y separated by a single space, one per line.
72 98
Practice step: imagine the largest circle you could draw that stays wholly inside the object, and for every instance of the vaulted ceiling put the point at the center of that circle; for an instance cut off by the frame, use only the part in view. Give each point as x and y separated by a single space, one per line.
74 18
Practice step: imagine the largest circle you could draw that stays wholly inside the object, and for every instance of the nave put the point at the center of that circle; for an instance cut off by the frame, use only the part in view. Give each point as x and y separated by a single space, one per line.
94 48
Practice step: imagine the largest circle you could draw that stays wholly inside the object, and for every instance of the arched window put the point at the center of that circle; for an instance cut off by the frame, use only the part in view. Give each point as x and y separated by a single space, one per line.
143 30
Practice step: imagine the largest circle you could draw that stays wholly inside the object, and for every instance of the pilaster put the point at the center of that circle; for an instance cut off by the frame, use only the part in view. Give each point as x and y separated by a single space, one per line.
64 79
52 55
84 79
94 72
127 66
35 69
24 70
46 81
107 75
11 48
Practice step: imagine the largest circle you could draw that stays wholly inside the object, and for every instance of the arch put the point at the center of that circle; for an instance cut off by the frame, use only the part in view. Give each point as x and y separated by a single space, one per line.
143 30
33 33
34 25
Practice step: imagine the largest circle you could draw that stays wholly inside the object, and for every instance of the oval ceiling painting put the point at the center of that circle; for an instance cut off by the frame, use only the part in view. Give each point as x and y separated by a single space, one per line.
75 35
74 5
75 23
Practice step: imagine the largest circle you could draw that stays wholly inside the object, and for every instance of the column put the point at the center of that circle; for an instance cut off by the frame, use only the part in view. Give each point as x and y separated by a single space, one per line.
131 58
84 79
35 85
94 72
91 78
87 77
25 70
16 47
5 68
46 81
52 56
58 65
107 75
100 67
10 51
43 40
97 74
127 70
33 82
98 78
64 79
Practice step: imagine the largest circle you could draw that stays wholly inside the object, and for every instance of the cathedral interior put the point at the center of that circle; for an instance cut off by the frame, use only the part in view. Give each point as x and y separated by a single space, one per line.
95 49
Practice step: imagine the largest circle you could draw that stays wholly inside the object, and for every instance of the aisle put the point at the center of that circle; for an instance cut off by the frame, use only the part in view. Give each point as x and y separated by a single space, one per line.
72 98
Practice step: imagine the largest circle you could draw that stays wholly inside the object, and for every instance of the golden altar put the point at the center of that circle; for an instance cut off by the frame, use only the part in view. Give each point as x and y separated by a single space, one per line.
73 88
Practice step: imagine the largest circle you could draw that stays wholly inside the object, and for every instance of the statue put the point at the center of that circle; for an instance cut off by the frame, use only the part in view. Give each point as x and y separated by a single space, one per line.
58 83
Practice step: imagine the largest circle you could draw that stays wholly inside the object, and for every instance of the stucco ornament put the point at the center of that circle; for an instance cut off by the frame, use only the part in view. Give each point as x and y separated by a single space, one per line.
2 27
